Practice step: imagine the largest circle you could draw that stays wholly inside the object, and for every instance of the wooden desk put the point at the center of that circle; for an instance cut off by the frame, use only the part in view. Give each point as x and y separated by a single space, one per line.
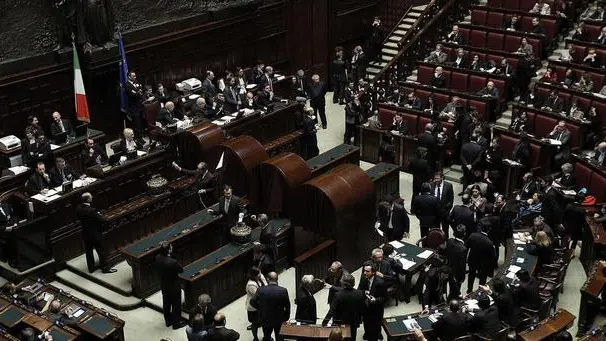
590 300
308 331
386 177
332 158
411 253
593 246
370 142
102 328
552 325
269 126
12 315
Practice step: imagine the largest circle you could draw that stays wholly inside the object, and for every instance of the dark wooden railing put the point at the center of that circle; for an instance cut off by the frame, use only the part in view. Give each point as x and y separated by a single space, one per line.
315 262
391 12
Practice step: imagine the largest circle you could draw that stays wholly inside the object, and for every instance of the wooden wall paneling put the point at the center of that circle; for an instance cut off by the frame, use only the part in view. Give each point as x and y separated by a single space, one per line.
301 21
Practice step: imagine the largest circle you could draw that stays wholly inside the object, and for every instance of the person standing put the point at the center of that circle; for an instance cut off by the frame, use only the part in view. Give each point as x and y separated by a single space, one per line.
168 271
220 332
339 76
309 140
375 41
353 115
92 232
392 218
134 93
273 305
456 260
205 180
305 301
482 257
375 290
348 306
420 169
317 91
444 192
426 207
255 281
358 65
335 275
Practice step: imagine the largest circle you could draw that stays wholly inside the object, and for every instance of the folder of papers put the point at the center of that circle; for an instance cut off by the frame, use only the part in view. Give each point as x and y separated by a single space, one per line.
406 264
555 142
396 244
425 254
411 324
514 268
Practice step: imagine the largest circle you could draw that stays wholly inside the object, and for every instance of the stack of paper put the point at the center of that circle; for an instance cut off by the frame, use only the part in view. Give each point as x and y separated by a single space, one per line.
511 275
406 264
425 254
411 324
520 260
396 244
514 268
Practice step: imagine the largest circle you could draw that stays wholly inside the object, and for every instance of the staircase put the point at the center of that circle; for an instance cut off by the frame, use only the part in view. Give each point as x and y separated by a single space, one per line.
390 46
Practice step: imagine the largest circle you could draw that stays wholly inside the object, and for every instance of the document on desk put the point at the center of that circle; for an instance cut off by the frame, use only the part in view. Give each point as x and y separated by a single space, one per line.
555 142
511 275
46 198
411 324
54 146
519 242
141 153
406 264
520 260
18 169
569 192
425 254
514 268
218 122
396 244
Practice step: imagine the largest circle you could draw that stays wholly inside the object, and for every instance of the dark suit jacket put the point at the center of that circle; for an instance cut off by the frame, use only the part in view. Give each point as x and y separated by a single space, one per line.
37 183
317 93
168 271
56 130
463 63
446 200
91 160
421 172
486 322
209 314
222 334
165 117
456 258
471 154
34 152
306 307
399 221
234 209
565 139
527 294
461 214
123 145
273 304
451 325
92 223
438 82
429 141
482 254
203 180
425 207
508 311
347 307
209 90
555 104
509 24
69 173
231 99
379 291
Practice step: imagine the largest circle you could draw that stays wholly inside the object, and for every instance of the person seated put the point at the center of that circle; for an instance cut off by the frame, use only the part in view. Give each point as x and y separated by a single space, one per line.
198 109
521 123
549 76
512 24
489 91
62 317
541 247
580 32
60 125
569 55
451 110
461 60
476 64
599 14
566 178
574 110
196 331
215 109
249 102
503 299
526 293
39 181
93 154
413 102
266 97
505 68
397 98
452 324
525 48
553 103
206 310
541 8
531 98
148 94
434 287
588 12
437 56
34 148
486 321
569 78
602 37
455 36
161 94
128 142
33 126
438 80
166 115
592 59
489 67
584 84
62 173
532 206
600 154
399 125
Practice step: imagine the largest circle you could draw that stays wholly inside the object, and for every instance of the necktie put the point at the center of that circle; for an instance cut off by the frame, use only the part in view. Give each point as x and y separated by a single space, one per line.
63 176
390 225
61 126
559 137
226 208
439 193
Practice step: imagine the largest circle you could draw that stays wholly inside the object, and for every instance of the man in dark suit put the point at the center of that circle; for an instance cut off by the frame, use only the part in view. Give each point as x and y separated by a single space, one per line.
427 208
393 219
512 24
166 116
526 294
206 309
348 306
456 260
358 65
232 97
305 301
455 36
463 215
383 266
317 91
335 274
429 141
452 324
230 206
168 272
205 180
62 173
375 290
39 181
486 321
92 232
553 103
267 78
60 125
471 158
353 116
482 257
562 134
273 305
93 154
508 311
438 80
299 85
134 93
421 170
209 89
444 192
529 187
221 333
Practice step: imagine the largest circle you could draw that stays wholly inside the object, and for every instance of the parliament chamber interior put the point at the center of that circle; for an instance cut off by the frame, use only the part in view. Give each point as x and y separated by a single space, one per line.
302 170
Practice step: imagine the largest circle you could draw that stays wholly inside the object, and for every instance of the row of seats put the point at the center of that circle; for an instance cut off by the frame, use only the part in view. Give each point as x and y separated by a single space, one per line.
462 81
580 49
593 29
521 5
585 102
482 55
443 97
560 70
543 124
415 122
595 182
496 18
499 40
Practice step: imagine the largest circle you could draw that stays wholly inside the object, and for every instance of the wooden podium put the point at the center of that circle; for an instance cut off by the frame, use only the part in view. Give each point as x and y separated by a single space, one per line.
292 331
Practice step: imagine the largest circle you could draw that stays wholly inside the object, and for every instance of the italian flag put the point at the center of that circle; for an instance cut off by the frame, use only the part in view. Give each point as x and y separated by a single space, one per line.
79 93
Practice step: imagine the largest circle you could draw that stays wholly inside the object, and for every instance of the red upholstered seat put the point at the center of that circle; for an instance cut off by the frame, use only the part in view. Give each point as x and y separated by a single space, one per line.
526 23
494 41
478 38
423 120
495 3
449 129
425 74
478 17
580 52
458 81
536 45
597 187
463 102
464 32
565 96
447 77
531 117
494 19
507 144
550 27
440 100
450 52
481 56
600 109
513 62
386 116
543 125
583 102
476 83
512 43
525 5
598 80
560 71
593 31
423 95
575 136
411 121
582 174
543 92
481 106
535 154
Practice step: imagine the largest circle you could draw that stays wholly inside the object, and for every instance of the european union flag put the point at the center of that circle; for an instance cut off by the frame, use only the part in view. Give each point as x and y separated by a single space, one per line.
123 74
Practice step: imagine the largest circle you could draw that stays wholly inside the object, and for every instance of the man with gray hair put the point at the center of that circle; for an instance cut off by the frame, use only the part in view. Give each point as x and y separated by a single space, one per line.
166 115
348 306
92 232
316 91
198 109
204 308
305 301
566 179
335 274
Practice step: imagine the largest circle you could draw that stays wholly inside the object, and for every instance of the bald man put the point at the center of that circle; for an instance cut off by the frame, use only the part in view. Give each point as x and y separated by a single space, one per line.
335 274
560 133
92 232
221 333
166 115
60 125
273 304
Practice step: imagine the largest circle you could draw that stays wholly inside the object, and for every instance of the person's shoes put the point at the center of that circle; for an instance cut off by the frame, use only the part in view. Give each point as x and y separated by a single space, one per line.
364 337
324 126
256 339
178 325
168 324
249 327
109 271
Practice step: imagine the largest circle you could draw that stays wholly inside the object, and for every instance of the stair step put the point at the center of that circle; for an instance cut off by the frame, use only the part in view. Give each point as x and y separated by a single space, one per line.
413 14
386 58
412 78
391 52
96 291
507 113
504 121
377 64
453 175
372 70
400 33
415 72
392 45
404 26
394 38
409 20
419 8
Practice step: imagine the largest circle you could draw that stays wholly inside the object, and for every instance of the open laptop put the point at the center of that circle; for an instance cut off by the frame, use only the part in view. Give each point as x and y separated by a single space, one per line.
114 159
60 138
67 186
81 130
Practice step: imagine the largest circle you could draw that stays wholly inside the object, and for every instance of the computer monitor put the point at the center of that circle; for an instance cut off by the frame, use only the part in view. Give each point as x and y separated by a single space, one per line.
60 138
114 159
131 154
81 130
67 187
